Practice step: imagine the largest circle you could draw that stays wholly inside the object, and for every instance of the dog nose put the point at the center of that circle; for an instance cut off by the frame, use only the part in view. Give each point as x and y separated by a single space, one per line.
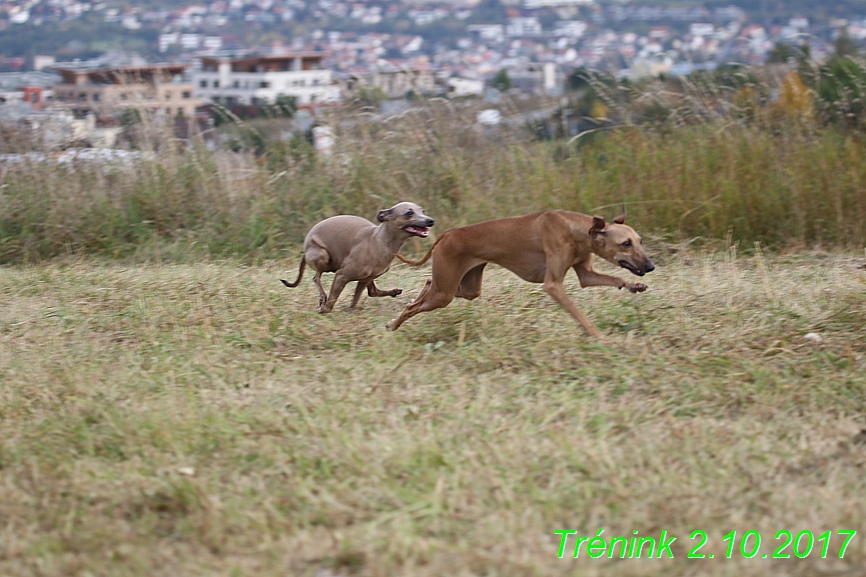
650 266
430 222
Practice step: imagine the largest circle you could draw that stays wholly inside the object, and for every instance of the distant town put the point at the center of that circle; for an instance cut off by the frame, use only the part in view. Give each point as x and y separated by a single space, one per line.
175 58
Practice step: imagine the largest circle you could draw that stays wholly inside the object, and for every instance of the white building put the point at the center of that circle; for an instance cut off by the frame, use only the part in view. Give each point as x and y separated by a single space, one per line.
489 32
701 29
262 79
530 4
570 28
189 41
523 26
458 87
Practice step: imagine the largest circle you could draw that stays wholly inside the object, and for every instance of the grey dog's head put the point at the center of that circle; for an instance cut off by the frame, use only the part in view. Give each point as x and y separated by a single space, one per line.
619 244
408 217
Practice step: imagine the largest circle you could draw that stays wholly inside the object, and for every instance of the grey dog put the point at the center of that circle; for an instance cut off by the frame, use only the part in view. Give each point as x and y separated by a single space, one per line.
357 250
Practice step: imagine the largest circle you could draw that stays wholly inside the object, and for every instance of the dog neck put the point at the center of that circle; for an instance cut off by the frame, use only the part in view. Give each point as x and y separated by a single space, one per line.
390 238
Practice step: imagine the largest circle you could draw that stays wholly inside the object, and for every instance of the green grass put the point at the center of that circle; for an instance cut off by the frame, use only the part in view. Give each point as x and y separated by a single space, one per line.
709 182
200 419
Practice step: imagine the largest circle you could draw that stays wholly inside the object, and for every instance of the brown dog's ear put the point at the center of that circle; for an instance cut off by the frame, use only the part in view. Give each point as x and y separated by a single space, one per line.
621 218
597 226
383 215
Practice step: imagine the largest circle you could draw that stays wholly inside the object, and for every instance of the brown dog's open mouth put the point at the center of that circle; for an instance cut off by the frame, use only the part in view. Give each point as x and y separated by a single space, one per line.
630 267
417 230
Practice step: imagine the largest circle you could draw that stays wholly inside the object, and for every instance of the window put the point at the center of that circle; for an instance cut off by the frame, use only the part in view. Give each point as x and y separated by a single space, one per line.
216 83
168 111
34 98
237 84
216 99
97 97
316 81
168 95
264 84
82 97
180 111
187 94
202 84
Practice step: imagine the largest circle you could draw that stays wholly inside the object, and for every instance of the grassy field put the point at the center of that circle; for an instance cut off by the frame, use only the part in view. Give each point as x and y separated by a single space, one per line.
712 182
200 419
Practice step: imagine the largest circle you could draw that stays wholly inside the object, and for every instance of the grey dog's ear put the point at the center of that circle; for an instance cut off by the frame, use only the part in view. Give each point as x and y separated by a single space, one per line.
621 218
597 226
383 215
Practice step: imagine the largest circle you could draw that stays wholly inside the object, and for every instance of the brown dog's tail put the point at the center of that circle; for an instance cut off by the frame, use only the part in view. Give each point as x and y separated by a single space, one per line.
426 256
300 274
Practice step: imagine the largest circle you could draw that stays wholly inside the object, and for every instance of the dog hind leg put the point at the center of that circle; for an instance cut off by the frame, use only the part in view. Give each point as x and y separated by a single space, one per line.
359 290
470 285
374 291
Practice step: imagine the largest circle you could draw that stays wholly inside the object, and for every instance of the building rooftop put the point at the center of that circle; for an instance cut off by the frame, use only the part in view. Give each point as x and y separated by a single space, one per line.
117 74
13 80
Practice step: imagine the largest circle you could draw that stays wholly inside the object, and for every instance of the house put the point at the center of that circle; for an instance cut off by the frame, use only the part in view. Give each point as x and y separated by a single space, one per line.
263 79
158 88
569 28
395 81
31 88
535 78
523 26
459 87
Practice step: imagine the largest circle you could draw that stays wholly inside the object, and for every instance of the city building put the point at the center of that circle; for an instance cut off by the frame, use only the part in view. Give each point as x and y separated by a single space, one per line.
30 88
397 82
523 26
263 79
157 88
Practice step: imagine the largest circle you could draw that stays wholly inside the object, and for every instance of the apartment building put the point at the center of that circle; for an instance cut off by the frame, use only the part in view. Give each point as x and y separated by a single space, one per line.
157 88
396 81
263 79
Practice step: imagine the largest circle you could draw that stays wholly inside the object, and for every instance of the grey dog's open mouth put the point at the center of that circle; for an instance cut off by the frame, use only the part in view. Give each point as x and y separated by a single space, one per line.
630 267
417 230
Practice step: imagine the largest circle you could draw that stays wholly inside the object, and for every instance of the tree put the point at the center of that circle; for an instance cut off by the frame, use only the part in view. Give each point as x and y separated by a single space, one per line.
844 46
782 52
501 81
286 105
578 79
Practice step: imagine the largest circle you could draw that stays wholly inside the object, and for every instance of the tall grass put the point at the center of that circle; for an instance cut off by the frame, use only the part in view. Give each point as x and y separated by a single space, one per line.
783 188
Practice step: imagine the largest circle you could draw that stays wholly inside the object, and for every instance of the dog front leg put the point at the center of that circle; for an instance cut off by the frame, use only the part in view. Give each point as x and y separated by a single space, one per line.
340 282
588 277
557 291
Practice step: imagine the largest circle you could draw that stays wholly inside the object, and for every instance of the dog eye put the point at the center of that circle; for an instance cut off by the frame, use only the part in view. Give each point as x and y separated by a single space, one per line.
627 243
410 213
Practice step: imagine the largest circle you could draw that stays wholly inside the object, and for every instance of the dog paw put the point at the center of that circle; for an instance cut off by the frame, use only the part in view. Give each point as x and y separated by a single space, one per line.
636 287
396 292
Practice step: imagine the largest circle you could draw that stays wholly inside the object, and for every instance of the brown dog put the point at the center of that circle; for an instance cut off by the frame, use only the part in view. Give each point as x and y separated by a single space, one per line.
358 250
539 248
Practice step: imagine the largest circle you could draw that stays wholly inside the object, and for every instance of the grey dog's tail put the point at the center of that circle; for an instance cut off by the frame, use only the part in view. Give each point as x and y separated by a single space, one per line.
300 274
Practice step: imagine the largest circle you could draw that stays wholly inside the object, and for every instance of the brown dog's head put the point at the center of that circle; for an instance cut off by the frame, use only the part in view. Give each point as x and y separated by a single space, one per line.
408 217
619 244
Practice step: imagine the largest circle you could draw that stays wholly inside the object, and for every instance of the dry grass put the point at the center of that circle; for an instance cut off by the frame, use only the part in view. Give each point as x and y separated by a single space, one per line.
781 189
201 420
